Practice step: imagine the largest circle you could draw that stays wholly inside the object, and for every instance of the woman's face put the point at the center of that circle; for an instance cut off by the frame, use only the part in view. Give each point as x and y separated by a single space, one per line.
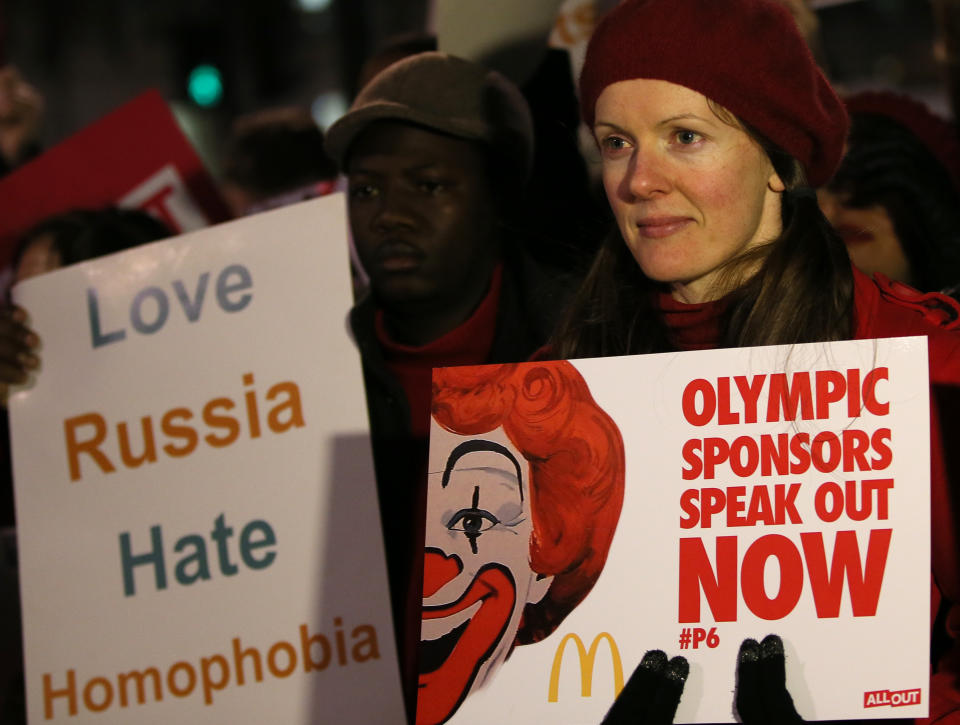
39 257
689 191
869 234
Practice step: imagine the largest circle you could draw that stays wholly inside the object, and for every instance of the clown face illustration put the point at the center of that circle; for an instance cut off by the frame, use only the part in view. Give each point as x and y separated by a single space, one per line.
477 572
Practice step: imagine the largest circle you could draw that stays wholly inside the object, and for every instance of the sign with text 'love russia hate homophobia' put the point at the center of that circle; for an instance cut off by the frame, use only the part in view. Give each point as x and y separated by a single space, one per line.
582 513
197 520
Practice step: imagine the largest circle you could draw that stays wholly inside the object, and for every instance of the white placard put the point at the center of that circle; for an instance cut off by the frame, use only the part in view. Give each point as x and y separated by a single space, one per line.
197 520
767 490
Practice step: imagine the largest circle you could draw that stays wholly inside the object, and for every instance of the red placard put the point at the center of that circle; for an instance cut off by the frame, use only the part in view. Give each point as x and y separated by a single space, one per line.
136 156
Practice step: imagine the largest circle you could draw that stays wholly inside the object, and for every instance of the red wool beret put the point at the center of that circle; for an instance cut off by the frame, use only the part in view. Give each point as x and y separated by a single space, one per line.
747 55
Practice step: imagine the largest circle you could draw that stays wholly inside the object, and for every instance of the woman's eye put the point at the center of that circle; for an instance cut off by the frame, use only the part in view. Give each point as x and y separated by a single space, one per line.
613 144
472 521
686 138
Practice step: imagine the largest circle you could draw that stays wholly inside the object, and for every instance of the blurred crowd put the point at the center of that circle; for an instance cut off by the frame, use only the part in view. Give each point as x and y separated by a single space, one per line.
476 211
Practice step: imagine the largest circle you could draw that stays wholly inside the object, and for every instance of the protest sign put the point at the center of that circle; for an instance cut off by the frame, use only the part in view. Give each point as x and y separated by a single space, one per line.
134 157
592 510
197 520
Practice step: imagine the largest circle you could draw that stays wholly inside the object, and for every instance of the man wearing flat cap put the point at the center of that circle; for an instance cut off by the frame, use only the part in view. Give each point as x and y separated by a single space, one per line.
437 151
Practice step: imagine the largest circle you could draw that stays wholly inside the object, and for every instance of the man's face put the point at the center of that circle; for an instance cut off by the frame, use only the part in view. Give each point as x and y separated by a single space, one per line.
422 213
477 575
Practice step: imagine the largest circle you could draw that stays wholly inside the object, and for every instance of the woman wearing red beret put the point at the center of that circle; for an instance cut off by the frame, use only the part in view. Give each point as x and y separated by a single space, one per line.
714 126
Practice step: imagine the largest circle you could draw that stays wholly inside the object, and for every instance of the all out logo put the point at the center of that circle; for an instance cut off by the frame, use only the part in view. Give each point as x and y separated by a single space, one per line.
892 698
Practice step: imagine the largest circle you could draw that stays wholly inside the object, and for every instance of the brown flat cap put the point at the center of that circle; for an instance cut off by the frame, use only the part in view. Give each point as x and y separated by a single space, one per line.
443 93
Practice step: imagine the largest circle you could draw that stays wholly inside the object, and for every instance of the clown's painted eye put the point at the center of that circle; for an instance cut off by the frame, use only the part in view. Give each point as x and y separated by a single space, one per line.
472 521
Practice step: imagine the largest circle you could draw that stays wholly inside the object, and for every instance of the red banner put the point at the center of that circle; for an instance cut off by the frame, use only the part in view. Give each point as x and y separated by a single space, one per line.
136 156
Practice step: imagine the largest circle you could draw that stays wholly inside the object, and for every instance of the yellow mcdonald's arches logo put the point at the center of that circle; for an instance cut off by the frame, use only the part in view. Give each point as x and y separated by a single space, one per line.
587 658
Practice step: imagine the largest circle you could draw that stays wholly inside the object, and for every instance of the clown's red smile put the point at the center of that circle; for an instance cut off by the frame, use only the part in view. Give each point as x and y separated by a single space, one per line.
473 627
477 573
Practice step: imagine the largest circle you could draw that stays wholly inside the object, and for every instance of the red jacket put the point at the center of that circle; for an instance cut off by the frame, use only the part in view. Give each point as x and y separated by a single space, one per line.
884 308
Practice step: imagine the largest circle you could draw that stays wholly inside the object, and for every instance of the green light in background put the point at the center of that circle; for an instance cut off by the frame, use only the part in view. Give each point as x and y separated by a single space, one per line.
205 86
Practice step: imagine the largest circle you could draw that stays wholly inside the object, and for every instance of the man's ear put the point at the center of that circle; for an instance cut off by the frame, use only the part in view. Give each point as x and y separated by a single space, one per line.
539 584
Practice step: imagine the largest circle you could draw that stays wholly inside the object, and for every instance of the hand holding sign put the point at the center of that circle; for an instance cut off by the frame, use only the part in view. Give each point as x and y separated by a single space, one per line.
762 695
652 693
18 345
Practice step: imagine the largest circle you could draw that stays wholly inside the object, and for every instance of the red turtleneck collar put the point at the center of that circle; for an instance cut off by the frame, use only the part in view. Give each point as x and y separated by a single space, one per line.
691 326
468 344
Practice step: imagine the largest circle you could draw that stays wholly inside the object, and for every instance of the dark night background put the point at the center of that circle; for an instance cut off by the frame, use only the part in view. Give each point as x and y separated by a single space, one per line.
89 56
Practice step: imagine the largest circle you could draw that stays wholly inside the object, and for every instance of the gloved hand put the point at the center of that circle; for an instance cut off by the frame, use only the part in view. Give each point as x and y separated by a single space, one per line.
652 693
762 696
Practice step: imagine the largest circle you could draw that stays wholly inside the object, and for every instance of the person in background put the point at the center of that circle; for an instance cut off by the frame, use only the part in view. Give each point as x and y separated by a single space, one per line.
437 151
21 114
83 234
895 200
715 125
946 48
275 157
563 221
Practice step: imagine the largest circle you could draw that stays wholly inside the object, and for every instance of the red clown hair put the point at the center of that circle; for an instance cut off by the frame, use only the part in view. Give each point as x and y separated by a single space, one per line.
577 469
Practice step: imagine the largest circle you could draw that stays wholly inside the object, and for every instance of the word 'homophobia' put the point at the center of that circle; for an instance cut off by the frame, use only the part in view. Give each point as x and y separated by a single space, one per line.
89 434
211 674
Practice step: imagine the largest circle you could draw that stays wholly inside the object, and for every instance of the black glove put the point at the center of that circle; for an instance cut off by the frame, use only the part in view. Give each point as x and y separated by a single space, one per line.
652 694
762 695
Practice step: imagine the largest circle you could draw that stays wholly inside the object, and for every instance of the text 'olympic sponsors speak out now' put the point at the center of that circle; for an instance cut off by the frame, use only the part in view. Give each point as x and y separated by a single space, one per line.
806 395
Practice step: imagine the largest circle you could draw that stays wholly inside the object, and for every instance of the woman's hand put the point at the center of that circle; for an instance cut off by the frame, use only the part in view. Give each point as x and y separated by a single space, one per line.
18 346
762 695
652 694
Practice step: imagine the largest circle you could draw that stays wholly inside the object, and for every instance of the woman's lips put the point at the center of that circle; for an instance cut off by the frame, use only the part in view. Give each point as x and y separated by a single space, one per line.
852 235
660 227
